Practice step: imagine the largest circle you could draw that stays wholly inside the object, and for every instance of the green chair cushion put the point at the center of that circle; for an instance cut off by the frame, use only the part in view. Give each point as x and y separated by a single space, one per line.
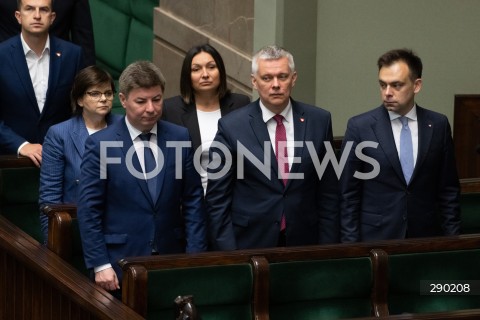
220 292
470 206
406 271
321 289
19 199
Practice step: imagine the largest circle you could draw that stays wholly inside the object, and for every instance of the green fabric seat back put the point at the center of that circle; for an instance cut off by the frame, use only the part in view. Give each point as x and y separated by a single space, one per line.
321 289
19 199
406 271
123 33
470 206
219 292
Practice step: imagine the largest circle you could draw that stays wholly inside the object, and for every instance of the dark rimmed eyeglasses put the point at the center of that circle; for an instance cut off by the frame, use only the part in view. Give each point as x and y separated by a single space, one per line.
97 95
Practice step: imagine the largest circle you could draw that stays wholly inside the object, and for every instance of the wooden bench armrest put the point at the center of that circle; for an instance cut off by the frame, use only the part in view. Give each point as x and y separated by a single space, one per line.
261 287
134 288
13 161
60 218
51 209
379 260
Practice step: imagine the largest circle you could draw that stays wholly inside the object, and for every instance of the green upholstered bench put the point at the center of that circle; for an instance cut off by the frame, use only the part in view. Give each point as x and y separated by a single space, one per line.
123 33
321 289
222 288
220 292
19 198
470 207
406 271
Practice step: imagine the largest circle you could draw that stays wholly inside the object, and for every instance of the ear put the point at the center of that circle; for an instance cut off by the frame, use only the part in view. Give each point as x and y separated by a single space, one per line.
18 17
52 17
254 81
123 99
294 78
417 85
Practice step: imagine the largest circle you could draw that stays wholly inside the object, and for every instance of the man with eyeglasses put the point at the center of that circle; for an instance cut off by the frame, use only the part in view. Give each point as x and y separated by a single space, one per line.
35 82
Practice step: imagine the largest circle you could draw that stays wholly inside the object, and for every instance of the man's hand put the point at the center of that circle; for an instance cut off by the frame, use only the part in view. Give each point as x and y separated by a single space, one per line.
107 279
33 151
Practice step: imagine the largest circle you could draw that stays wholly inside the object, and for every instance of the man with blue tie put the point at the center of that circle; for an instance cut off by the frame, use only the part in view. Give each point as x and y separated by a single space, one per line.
415 192
278 195
35 81
139 192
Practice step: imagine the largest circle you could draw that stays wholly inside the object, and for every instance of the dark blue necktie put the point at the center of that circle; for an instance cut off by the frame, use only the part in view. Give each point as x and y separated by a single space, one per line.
406 150
149 163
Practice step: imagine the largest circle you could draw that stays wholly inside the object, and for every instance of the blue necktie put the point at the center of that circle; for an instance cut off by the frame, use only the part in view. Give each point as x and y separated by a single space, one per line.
149 162
406 150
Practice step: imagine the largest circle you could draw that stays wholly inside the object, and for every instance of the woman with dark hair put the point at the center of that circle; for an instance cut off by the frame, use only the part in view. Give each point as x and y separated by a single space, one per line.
91 99
204 98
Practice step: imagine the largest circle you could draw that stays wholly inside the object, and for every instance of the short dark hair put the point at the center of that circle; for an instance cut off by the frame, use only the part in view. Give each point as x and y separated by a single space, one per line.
86 78
186 87
413 61
19 4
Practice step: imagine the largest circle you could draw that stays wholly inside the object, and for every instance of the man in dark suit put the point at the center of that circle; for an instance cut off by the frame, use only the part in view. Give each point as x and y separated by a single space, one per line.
256 201
35 81
124 207
405 183
73 23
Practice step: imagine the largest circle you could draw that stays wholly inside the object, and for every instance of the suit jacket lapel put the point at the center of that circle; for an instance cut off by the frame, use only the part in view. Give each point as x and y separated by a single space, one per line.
299 131
190 120
20 63
54 71
123 135
383 131
425 132
162 138
79 135
260 131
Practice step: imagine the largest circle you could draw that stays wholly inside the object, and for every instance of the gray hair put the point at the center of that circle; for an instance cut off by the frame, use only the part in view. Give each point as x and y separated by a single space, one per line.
272 52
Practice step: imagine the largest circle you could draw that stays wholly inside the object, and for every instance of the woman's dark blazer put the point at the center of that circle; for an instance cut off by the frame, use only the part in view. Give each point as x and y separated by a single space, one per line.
175 110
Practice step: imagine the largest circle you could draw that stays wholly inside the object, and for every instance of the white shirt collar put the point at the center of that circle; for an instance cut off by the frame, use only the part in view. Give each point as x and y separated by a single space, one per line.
412 114
27 49
267 114
134 132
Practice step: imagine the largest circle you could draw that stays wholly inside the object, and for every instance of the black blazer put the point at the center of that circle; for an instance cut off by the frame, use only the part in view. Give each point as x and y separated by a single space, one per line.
72 23
175 110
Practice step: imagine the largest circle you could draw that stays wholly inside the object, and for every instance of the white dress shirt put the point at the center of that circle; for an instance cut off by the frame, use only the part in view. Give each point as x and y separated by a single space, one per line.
272 126
412 124
39 69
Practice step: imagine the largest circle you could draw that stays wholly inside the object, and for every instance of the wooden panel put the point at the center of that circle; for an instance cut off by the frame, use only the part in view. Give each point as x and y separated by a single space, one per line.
466 135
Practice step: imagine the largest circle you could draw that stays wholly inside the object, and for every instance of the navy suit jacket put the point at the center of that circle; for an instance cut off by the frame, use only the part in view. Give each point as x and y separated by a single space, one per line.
62 154
73 22
385 207
20 117
116 214
245 212
175 110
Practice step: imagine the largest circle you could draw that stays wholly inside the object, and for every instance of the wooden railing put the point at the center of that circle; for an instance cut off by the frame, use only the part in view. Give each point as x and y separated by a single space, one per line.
35 283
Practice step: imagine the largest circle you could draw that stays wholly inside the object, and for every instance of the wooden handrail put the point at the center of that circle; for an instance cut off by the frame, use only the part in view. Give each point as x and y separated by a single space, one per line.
24 258
13 161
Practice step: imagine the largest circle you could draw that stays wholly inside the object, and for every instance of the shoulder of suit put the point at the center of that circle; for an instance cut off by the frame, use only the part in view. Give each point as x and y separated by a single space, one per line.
308 108
13 41
174 105
58 43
